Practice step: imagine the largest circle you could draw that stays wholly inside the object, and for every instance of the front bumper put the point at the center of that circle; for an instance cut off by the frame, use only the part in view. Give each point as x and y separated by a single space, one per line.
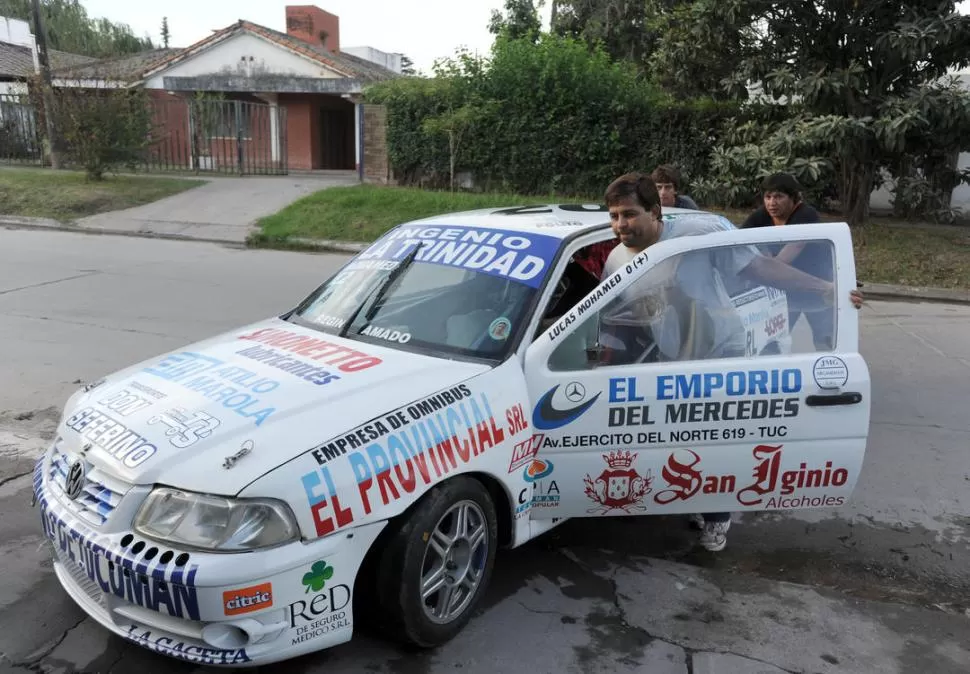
238 610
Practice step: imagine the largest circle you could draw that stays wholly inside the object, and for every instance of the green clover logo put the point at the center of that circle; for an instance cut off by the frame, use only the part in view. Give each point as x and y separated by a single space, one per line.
318 576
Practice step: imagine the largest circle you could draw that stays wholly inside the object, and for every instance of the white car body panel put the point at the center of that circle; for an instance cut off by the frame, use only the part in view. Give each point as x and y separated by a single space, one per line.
350 434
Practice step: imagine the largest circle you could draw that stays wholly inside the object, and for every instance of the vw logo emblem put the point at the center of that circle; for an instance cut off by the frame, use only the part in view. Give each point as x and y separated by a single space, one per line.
74 483
575 392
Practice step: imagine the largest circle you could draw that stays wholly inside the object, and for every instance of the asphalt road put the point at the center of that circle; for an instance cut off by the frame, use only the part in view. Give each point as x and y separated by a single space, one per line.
880 585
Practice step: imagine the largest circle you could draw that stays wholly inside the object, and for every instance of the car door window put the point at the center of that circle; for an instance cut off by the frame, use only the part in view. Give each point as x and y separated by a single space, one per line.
700 305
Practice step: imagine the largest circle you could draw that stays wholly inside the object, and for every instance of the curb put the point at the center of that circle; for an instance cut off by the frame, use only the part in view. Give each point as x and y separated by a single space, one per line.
882 291
16 222
887 291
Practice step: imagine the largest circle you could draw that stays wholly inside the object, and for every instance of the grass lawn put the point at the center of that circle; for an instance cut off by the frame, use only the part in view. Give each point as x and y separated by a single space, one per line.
887 251
68 195
364 212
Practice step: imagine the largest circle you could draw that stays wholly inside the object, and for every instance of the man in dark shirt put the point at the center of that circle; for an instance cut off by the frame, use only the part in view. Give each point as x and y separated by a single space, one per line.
783 204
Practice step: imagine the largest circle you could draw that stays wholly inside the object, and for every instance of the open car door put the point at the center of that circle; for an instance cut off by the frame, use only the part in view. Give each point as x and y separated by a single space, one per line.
705 377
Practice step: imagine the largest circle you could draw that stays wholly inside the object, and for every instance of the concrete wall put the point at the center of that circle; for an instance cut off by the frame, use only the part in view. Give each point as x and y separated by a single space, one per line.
15 31
246 54
381 58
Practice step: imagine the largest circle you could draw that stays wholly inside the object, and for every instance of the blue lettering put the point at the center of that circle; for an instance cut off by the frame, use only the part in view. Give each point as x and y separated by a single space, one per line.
735 383
712 382
378 458
397 450
624 389
361 470
310 483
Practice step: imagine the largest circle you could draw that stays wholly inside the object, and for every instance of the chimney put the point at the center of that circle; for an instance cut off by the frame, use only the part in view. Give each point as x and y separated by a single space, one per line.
313 26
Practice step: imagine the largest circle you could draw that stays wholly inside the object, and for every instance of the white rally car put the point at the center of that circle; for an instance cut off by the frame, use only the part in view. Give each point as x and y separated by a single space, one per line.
463 384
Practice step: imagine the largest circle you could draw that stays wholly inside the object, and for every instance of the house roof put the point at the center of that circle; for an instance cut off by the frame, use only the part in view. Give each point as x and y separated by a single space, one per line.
343 64
18 61
127 68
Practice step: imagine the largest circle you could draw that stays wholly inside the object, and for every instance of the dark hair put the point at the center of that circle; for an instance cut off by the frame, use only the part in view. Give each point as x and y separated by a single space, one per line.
665 173
784 183
637 185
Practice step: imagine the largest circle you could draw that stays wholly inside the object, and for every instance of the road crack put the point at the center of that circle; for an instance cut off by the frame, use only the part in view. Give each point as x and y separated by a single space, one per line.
15 477
48 283
622 621
33 662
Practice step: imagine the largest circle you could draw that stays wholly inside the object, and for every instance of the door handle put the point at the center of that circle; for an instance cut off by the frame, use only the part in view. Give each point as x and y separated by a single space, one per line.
839 399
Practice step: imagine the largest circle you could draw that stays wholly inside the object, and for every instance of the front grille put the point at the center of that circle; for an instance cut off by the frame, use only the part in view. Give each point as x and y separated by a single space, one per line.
100 496
90 588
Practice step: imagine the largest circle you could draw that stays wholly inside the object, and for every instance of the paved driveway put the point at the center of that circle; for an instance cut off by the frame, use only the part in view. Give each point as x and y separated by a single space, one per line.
225 209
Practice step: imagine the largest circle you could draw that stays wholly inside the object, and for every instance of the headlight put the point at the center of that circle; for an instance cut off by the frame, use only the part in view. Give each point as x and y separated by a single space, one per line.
215 523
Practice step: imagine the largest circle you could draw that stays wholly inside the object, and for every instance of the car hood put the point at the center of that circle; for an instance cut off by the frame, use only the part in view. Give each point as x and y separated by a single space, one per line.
218 414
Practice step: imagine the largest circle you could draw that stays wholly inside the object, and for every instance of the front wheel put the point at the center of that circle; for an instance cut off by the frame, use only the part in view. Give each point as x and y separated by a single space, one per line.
438 563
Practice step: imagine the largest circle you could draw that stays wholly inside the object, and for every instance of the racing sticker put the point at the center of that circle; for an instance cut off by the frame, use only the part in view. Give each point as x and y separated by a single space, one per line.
520 256
183 650
184 430
619 487
557 408
120 442
767 486
500 328
417 447
161 586
830 372
324 611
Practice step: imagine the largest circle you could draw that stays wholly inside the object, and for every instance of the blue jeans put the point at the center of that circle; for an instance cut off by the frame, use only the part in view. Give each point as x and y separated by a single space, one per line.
716 517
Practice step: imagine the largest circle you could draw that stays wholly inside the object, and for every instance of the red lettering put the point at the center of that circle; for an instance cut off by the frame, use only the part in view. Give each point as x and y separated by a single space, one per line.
385 484
325 525
447 451
407 483
256 335
683 479
765 474
363 487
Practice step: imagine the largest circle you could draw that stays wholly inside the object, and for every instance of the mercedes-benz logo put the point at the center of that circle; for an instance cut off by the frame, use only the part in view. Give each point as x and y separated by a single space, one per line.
575 392
74 483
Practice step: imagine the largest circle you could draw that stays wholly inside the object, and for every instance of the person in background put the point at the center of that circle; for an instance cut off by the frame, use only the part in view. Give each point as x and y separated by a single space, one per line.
668 181
783 204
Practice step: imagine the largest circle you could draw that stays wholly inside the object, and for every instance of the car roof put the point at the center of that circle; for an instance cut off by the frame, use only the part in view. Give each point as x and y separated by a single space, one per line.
557 220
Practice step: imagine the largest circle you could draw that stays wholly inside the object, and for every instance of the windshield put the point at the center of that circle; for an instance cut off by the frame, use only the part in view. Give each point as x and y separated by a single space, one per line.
436 289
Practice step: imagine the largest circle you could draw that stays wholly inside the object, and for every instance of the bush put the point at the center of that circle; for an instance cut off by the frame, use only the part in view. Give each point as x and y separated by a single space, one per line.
553 117
103 129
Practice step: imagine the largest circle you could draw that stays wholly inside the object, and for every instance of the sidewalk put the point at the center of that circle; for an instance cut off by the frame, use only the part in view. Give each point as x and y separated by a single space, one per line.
224 210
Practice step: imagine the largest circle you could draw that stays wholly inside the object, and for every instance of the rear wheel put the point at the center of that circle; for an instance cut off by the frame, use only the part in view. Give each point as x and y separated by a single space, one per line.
438 563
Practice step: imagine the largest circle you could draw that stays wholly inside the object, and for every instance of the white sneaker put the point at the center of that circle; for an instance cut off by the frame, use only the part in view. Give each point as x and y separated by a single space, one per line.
714 535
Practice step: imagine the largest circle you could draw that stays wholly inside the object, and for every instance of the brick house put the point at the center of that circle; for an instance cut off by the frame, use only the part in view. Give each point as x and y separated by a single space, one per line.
290 100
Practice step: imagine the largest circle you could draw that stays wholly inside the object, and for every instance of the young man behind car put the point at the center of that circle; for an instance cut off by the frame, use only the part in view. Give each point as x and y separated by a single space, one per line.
783 204
668 181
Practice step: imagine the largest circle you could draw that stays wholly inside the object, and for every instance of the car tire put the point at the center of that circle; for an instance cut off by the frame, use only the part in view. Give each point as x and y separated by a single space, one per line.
419 551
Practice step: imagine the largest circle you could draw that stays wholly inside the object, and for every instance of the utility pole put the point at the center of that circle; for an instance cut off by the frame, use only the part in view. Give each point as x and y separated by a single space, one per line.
47 87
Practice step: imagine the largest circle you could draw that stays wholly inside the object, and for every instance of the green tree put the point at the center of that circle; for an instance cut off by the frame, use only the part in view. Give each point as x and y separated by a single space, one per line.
627 29
407 66
520 20
70 29
166 35
862 80
552 117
